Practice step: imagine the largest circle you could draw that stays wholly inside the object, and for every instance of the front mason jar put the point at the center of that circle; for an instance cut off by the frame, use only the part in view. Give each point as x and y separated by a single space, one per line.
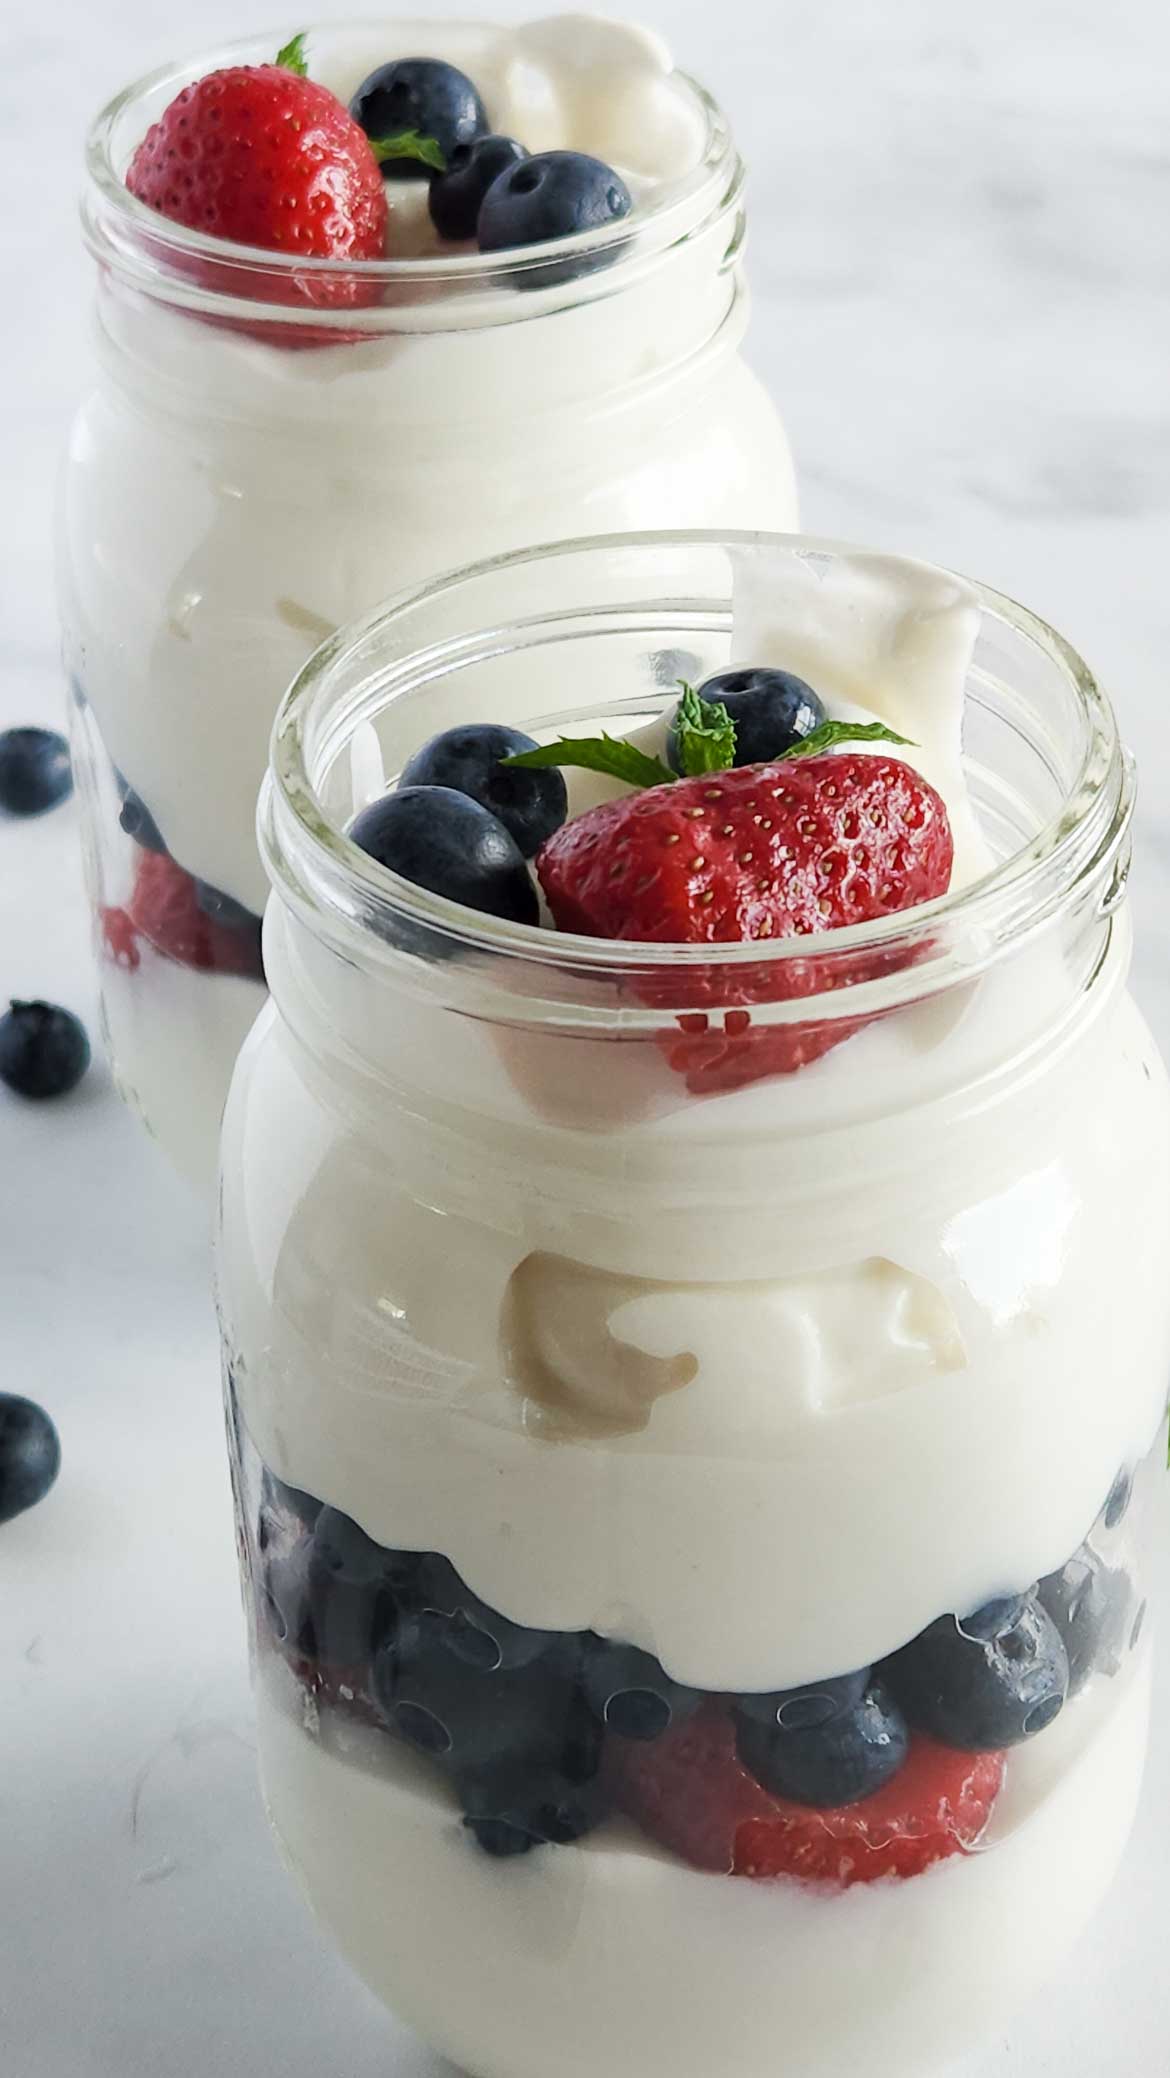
605 1452
235 490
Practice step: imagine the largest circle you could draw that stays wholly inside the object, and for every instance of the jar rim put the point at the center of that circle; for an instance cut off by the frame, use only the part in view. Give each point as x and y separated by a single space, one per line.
316 866
160 257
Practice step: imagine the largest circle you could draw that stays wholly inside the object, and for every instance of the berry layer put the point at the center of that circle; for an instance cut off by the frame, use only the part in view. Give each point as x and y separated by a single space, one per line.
611 1956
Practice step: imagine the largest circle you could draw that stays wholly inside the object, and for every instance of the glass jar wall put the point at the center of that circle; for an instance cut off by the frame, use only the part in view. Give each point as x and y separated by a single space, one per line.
694 1536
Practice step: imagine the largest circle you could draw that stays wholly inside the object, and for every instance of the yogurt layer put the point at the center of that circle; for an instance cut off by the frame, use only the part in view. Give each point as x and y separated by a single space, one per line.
657 1966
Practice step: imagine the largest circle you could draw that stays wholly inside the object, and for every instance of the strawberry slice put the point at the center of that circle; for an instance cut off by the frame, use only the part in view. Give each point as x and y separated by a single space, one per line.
690 1791
164 910
758 853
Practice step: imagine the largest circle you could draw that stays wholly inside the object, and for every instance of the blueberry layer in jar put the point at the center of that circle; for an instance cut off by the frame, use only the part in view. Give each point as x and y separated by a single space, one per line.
668 1272
298 408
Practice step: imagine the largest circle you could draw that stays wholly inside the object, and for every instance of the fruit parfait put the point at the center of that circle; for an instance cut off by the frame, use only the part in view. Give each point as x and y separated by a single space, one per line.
693 1467
369 306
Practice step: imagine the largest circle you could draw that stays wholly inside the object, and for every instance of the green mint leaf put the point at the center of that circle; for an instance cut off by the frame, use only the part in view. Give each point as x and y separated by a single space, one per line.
606 754
705 734
831 733
291 56
410 144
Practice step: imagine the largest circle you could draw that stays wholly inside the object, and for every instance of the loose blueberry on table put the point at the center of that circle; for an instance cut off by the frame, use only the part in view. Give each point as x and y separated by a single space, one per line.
35 771
30 1455
44 1050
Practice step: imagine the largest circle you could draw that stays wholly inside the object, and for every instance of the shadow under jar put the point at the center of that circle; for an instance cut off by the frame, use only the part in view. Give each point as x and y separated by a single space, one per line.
240 483
694 1543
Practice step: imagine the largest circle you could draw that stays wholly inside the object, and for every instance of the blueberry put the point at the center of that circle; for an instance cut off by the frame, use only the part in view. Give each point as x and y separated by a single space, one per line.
514 1805
455 196
835 1762
44 1051
771 710
224 909
1089 1604
1120 1496
444 841
552 195
351 1622
467 1627
992 1619
422 94
817 1704
35 771
138 822
466 1718
30 1455
978 1694
629 1692
531 805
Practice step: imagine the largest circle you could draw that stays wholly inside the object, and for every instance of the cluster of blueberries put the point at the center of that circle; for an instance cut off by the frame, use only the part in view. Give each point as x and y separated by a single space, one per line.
491 189
517 1718
44 1050
463 824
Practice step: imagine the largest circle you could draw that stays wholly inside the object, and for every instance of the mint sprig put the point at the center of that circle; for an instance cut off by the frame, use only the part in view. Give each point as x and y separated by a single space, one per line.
706 741
410 144
704 733
830 734
292 56
611 755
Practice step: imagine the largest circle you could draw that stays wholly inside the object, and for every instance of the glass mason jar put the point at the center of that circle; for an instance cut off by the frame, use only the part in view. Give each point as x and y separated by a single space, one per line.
607 1456
239 484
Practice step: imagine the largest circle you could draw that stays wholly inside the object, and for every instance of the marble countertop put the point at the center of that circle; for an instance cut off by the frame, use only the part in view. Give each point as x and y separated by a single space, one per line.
962 298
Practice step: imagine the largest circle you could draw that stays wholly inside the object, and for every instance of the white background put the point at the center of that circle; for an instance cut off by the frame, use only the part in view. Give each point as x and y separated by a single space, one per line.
961 262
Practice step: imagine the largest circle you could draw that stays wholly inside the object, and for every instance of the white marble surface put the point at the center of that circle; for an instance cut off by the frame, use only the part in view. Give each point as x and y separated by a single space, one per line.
962 265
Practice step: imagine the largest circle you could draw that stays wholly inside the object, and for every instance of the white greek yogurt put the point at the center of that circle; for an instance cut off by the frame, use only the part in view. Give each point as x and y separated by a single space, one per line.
655 1429
612 1956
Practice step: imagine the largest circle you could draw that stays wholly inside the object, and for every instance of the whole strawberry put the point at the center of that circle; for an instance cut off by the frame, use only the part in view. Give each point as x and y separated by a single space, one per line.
262 156
756 853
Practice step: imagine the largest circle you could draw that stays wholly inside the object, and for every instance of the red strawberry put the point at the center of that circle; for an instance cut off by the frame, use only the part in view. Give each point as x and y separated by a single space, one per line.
757 853
690 1791
258 155
164 910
